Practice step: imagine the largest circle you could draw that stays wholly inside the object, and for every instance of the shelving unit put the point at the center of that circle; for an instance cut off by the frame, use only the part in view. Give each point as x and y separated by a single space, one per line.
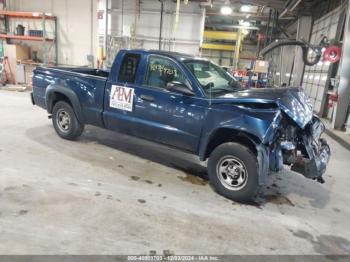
32 15
25 37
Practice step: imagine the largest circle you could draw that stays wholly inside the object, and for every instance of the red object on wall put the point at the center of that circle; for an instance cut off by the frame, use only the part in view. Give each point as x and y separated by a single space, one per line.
332 54
332 98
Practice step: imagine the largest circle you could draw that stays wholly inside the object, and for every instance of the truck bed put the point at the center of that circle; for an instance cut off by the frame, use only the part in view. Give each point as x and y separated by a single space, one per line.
84 70
87 84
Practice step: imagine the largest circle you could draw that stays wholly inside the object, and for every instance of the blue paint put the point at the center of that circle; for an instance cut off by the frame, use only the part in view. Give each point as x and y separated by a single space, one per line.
185 122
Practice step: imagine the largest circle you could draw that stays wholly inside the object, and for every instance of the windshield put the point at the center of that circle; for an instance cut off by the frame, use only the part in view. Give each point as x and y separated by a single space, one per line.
213 79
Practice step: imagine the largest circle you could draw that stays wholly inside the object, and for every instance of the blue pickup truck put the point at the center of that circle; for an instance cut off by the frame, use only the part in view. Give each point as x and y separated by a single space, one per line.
191 104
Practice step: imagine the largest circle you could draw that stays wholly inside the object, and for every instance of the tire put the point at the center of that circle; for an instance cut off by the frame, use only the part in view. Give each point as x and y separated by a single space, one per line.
239 179
65 121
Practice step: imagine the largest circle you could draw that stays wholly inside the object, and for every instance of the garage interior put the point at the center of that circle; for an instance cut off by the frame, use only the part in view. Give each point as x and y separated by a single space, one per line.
109 193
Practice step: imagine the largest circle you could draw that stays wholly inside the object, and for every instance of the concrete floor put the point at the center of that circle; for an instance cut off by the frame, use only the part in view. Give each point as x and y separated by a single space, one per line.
112 194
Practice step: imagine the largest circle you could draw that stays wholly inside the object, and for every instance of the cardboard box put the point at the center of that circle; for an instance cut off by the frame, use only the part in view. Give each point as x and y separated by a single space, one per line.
16 53
261 66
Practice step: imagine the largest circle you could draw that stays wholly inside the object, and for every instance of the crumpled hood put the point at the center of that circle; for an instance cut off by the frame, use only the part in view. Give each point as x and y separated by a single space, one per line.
292 101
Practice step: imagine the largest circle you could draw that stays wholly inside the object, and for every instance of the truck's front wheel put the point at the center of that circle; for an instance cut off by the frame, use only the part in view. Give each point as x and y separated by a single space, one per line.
65 121
233 171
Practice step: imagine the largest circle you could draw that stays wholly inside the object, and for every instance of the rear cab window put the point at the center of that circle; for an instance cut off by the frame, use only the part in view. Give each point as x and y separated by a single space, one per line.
128 68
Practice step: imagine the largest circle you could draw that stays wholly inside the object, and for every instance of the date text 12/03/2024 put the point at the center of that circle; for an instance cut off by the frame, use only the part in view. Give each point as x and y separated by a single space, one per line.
173 258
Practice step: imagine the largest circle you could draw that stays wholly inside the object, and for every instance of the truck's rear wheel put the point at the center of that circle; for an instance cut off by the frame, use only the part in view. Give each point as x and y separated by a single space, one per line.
65 121
233 171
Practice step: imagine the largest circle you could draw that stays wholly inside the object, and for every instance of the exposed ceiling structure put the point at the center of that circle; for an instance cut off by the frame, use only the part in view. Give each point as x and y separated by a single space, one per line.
253 12
253 17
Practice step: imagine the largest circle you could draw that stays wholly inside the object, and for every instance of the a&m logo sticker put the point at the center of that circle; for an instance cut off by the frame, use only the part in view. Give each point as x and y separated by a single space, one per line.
122 97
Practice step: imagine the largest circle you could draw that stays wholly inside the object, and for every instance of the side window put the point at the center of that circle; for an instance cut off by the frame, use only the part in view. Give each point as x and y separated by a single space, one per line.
161 71
127 73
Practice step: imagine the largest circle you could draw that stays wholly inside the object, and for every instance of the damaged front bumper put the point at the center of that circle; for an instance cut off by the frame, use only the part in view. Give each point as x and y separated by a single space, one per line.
313 166
305 151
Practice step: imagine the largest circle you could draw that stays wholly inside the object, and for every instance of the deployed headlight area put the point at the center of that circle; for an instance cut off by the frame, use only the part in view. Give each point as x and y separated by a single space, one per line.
302 149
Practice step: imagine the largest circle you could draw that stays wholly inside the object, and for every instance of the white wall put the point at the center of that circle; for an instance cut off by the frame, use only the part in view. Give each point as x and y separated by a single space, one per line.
186 39
77 27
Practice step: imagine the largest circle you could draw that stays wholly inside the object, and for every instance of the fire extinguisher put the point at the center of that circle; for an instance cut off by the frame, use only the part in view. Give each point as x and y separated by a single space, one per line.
332 98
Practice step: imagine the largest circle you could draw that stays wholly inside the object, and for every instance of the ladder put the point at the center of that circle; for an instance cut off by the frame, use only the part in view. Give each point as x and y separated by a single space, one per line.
4 79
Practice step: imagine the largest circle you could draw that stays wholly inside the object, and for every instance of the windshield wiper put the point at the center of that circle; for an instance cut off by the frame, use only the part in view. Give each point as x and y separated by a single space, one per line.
220 89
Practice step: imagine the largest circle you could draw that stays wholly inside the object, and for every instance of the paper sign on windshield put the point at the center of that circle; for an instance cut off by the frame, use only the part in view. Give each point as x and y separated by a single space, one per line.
122 97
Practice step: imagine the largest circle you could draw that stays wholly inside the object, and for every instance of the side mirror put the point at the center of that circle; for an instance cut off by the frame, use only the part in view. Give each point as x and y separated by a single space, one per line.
178 87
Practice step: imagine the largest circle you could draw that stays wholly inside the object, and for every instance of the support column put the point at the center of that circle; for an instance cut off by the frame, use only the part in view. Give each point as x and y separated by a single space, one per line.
304 31
238 48
106 29
342 105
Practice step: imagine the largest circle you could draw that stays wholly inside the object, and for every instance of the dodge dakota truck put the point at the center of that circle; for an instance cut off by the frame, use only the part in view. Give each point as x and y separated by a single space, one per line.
193 105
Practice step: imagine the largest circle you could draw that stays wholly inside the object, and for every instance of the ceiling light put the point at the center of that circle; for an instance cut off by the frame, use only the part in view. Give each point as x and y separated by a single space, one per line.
245 8
226 10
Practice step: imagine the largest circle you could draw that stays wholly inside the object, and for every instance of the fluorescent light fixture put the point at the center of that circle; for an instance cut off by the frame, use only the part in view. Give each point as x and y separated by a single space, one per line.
278 73
245 8
226 10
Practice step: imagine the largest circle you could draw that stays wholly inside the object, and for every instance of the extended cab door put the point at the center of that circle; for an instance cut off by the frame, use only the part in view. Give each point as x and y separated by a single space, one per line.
121 93
167 117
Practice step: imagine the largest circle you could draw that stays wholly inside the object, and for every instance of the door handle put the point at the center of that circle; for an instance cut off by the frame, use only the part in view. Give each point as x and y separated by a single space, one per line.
147 98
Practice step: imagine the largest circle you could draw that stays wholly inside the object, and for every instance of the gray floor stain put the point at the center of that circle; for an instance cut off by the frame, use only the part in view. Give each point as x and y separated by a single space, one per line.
142 201
278 200
23 212
72 184
329 244
148 181
135 178
326 244
97 194
109 197
9 188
